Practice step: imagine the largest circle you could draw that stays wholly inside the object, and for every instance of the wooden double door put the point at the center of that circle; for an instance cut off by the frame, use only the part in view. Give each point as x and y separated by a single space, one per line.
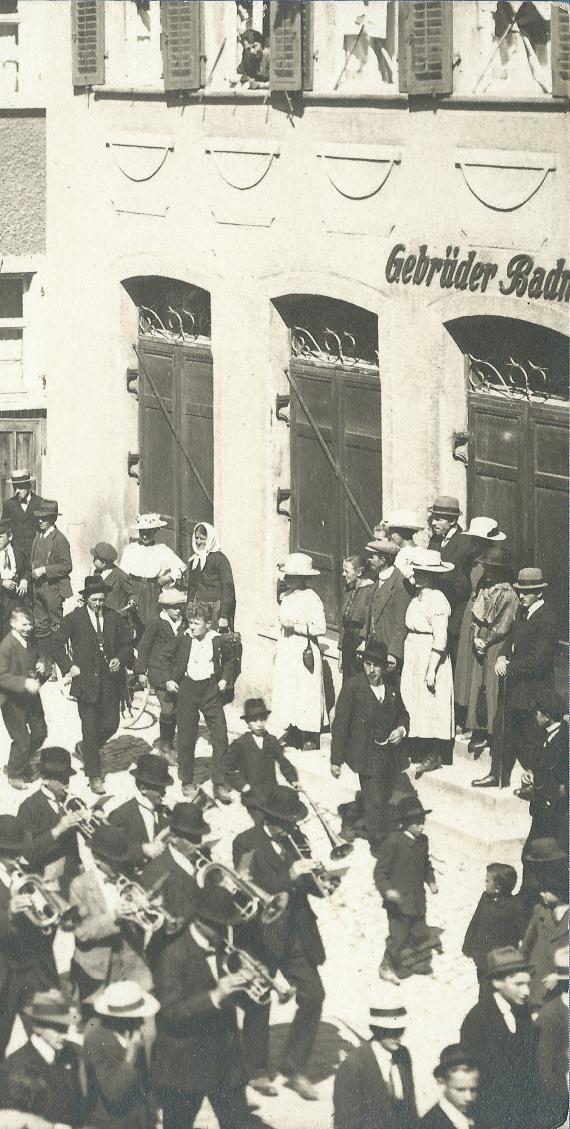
176 438
344 402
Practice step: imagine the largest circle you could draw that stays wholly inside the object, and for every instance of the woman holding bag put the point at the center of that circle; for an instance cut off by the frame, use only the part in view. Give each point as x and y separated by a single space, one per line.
298 706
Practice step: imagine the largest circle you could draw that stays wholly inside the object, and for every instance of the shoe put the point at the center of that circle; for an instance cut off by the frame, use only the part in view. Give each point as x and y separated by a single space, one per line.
19 783
488 781
387 973
477 743
96 785
303 1087
223 794
264 1085
431 765
189 791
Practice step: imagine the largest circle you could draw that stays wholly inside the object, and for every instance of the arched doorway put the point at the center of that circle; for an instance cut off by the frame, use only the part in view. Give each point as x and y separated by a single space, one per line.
175 394
335 404
517 448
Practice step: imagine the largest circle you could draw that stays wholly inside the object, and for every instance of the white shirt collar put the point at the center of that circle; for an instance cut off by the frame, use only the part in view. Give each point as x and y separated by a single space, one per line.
166 619
50 798
379 691
388 1068
258 740
506 1012
552 729
201 941
534 608
385 573
20 638
43 1048
450 533
458 1119
93 616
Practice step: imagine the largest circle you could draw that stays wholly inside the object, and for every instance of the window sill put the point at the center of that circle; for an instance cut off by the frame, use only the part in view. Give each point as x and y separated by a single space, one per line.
21 104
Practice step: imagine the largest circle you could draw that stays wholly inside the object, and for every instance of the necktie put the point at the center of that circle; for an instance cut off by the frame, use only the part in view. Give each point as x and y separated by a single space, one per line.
7 564
395 1080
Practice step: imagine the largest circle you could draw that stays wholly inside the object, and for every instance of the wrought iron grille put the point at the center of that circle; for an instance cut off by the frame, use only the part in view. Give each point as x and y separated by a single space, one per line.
333 348
516 379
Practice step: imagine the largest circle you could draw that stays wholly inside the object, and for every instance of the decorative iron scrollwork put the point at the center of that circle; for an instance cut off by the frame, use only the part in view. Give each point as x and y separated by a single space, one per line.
527 381
336 348
180 324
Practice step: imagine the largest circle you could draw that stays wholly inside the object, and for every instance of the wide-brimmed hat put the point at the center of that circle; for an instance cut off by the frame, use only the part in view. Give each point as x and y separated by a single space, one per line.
408 809
445 505
376 652
55 762
485 528
21 477
299 564
93 586
13 837
281 804
149 521
124 999
254 709
48 507
111 844
387 1009
382 545
429 560
493 555
544 850
187 821
216 906
504 961
51 1009
453 1057
152 770
530 580
172 598
104 551
403 519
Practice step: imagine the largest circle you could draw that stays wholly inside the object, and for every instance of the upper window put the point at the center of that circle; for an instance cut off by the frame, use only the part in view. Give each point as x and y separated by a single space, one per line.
11 334
9 49
503 48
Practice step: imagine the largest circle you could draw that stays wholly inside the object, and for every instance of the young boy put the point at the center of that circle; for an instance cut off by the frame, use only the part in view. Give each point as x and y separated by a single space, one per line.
12 572
21 673
254 755
157 650
498 918
548 926
401 873
200 674
120 591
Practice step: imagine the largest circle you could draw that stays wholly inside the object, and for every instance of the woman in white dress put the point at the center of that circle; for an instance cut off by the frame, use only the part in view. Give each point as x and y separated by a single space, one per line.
298 705
427 678
151 565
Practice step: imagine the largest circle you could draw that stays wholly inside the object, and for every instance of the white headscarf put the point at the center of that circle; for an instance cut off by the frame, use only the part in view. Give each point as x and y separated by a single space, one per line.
198 558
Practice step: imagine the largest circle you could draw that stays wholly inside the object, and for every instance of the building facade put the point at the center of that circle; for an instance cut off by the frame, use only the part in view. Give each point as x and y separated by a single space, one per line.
307 263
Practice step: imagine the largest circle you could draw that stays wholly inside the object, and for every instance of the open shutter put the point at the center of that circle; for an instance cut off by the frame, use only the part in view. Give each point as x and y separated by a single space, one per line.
88 42
560 32
291 45
426 46
181 22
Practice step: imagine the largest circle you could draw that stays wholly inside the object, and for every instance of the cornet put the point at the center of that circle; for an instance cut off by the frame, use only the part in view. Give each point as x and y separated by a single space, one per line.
43 908
260 982
248 898
91 817
139 905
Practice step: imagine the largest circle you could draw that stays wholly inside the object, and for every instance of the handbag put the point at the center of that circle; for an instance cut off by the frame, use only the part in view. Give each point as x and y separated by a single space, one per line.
308 656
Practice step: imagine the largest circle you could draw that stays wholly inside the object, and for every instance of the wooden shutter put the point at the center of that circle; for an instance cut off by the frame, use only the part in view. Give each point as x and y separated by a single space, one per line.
197 434
291 45
426 46
560 32
158 451
88 42
181 22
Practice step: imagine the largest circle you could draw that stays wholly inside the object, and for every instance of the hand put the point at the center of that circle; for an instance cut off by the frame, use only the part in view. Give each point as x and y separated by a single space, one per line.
480 645
10 585
131 602
550 981
134 1045
527 778
300 868
222 685
19 903
229 985
430 681
392 896
143 680
165 581
158 845
22 588
335 771
222 622
392 662
171 686
501 666
31 686
73 672
114 665
66 823
37 572
432 887
397 736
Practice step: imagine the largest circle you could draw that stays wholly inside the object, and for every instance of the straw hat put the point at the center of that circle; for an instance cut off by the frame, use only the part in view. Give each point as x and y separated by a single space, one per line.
149 521
299 564
530 580
172 598
403 519
387 1010
383 546
124 1000
429 560
445 506
485 528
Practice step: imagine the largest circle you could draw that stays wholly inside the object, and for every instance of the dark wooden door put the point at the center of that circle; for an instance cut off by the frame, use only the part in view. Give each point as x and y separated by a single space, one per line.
22 444
183 388
345 405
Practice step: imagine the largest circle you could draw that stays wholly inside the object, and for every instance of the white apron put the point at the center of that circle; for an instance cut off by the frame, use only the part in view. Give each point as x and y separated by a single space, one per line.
298 695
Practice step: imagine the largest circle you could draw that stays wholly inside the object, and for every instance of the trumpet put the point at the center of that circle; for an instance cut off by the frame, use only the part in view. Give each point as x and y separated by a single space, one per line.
91 817
248 898
340 848
43 907
141 907
260 981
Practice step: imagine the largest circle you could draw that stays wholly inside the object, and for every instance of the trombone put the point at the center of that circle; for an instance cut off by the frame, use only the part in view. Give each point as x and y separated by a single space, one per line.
340 848
260 982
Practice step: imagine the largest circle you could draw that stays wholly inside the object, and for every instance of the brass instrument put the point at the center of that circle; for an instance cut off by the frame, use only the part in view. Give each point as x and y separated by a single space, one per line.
325 882
340 848
142 907
248 898
91 817
44 908
260 982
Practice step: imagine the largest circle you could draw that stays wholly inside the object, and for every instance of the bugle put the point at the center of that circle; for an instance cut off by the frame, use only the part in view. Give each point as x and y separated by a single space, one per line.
340 848
260 983
43 907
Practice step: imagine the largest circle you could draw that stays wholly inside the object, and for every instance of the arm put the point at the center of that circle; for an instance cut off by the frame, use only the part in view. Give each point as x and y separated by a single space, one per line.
402 715
145 647
13 683
228 592
346 1098
170 981
116 1077
59 566
384 865
124 643
342 724
289 771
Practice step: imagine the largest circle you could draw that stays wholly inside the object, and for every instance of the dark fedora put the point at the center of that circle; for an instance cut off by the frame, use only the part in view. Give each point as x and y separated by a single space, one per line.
215 906
13 838
103 551
495 555
110 844
409 809
253 709
376 652
94 586
544 850
48 507
530 580
55 762
505 962
445 506
282 804
152 770
51 1009
453 1057
187 822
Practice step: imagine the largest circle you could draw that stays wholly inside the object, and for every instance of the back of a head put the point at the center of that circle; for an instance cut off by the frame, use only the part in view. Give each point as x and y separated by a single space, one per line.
504 876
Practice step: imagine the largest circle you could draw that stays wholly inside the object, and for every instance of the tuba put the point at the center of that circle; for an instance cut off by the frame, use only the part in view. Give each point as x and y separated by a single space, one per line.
142 907
260 982
44 908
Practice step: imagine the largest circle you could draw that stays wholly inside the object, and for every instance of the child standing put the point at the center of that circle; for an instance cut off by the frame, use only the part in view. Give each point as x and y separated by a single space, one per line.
498 918
548 926
401 873
120 590
254 755
156 654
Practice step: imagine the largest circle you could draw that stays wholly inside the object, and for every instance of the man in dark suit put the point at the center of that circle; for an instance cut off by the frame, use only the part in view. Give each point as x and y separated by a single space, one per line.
374 1085
155 658
175 870
370 724
500 1036
53 849
548 777
20 512
50 566
143 818
115 1061
101 649
196 1054
254 756
460 550
46 1059
552 1026
291 942
21 673
458 1076
526 668
391 594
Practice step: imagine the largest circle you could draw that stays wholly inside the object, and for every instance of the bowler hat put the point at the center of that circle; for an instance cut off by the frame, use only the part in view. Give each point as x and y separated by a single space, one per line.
216 906
13 837
409 809
152 770
429 560
93 586
544 850
124 999
281 804
47 508
382 546
505 961
51 1009
55 762
452 1057
21 477
5 526
253 709
103 551
172 598
187 821
149 521
387 1009
376 652
485 528
445 505
530 580
299 564
110 843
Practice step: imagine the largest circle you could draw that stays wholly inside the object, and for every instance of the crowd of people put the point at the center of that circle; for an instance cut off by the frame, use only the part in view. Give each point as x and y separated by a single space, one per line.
140 969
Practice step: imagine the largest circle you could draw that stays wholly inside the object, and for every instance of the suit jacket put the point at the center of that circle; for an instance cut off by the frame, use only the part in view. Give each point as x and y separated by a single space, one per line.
436 1118
62 1094
223 666
54 858
270 870
552 1026
77 629
214 582
386 620
178 891
362 1099
360 720
128 817
496 922
256 767
530 648
119 587
543 936
58 565
16 664
117 1090
24 949
507 1062
197 1043
404 865
548 808
461 550
24 524
101 941
157 652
